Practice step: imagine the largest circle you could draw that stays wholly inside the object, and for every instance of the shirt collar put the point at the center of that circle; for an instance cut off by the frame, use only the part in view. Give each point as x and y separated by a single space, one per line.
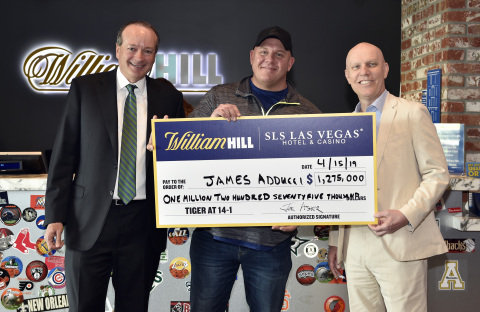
377 105
122 82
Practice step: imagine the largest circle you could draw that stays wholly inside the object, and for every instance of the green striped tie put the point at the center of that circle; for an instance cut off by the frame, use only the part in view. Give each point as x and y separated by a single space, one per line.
128 152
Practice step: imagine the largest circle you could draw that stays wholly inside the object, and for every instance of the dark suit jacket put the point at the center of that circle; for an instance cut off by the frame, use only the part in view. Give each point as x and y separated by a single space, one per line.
83 167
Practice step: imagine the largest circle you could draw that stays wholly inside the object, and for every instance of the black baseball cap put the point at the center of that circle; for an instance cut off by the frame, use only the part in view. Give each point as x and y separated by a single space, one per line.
278 33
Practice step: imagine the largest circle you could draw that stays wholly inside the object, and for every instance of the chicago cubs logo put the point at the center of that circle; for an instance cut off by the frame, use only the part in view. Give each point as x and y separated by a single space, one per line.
56 278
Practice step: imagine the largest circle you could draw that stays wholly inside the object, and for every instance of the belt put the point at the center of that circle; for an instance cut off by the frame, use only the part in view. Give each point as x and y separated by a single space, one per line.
119 202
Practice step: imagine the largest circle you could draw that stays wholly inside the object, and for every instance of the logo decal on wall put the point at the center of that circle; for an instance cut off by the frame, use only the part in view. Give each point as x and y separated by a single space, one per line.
52 68
334 304
462 245
451 279
188 72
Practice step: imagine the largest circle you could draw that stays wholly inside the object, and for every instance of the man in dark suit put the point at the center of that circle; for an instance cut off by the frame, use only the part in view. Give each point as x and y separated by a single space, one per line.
105 231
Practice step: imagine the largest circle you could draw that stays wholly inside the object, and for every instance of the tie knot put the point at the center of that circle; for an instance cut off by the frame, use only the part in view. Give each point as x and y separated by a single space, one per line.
130 88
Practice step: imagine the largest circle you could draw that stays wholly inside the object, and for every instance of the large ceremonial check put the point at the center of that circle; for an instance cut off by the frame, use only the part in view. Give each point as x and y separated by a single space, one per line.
277 170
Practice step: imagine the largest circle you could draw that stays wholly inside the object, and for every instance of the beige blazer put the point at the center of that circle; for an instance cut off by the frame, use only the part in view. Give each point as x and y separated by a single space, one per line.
412 175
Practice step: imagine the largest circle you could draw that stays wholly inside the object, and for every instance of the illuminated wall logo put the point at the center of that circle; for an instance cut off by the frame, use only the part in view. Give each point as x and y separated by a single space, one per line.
188 72
52 68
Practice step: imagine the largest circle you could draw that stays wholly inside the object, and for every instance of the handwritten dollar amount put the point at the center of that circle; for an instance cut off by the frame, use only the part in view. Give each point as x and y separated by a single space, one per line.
337 178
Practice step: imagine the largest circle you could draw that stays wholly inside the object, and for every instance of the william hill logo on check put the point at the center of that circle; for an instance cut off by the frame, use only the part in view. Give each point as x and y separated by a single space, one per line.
331 156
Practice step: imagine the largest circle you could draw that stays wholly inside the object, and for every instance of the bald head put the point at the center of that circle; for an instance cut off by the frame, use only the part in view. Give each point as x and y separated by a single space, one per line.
366 71
364 48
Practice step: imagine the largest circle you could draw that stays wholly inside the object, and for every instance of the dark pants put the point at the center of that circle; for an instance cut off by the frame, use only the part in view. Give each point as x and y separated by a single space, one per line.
215 265
124 252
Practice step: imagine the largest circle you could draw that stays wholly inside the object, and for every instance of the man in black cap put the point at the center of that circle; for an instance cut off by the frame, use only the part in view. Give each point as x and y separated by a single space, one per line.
263 252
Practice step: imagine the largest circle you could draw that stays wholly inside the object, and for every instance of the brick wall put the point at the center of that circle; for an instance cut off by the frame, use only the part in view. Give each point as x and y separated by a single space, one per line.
445 34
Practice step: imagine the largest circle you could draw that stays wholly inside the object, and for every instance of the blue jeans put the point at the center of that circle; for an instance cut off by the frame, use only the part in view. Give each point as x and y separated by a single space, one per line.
215 265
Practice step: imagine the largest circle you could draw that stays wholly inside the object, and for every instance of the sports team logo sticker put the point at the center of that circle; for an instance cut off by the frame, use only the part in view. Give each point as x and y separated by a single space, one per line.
42 247
296 243
178 236
164 256
25 285
12 298
4 279
29 214
10 215
311 250
305 274
36 271
321 232
55 261
22 242
46 291
179 306
451 279
180 268
56 278
462 245
37 201
12 265
6 239
322 254
323 274
41 222
334 304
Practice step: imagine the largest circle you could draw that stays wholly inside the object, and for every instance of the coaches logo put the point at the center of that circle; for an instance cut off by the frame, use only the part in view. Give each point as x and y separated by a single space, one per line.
334 304
52 68
451 279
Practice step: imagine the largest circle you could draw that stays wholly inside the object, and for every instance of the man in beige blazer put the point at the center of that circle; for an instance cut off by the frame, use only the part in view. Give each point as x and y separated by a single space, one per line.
386 263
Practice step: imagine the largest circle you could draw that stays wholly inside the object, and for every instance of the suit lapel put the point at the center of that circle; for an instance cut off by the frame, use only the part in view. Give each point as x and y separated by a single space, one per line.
386 121
107 100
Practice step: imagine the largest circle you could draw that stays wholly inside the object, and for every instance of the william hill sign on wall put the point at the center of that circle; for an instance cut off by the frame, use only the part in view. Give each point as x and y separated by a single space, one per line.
52 68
